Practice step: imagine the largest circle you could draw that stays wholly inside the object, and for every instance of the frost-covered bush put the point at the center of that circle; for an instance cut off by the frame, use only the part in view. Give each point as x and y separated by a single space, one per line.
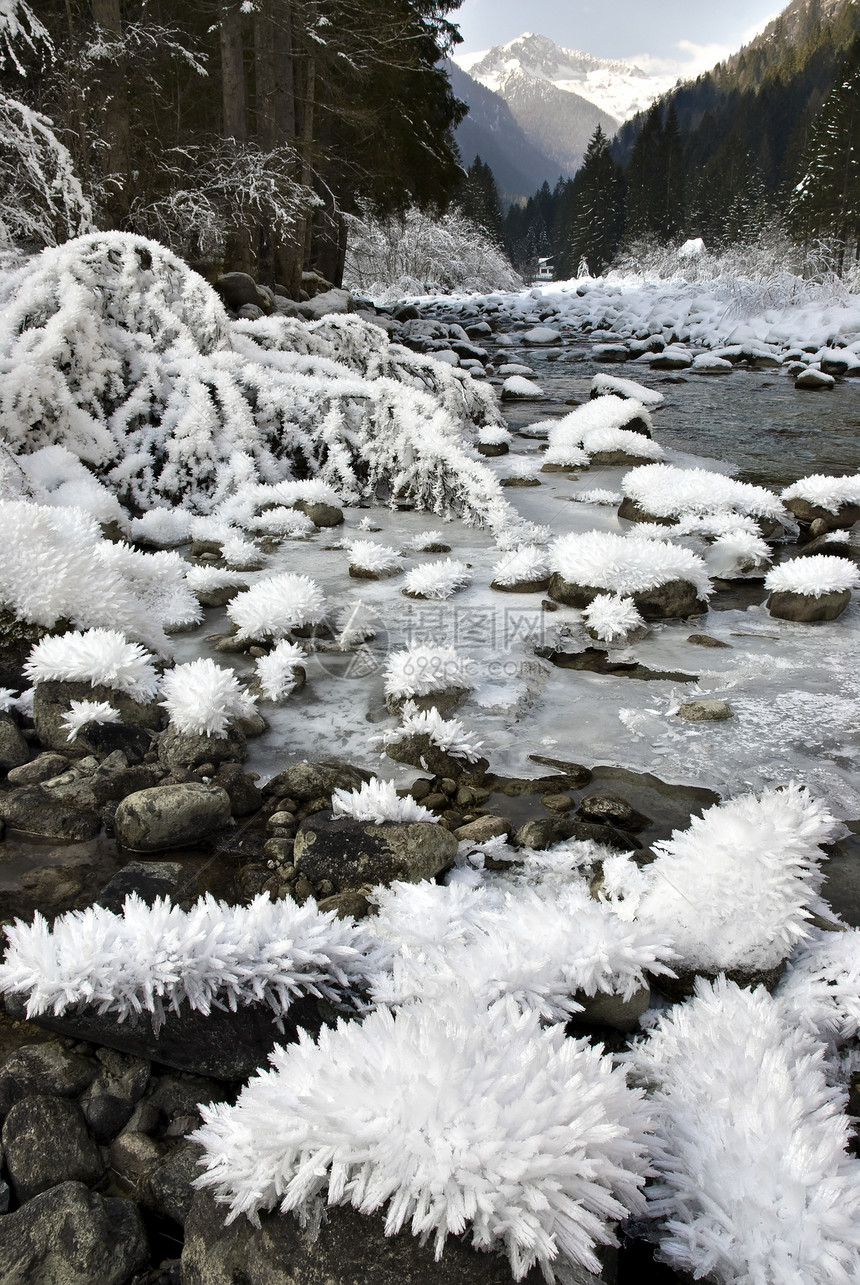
604 560
273 607
378 801
369 555
83 712
525 1140
437 580
820 989
447 734
423 668
754 1183
202 699
613 386
813 576
156 958
825 492
100 657
736 889
520 566
667 492
612 617
56 566
276 672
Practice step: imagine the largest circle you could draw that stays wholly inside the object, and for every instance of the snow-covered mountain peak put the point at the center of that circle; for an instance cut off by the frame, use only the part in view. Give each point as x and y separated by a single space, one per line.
619 89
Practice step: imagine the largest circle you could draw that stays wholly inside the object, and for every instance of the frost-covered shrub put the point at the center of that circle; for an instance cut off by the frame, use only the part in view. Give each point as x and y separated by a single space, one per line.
56 566
520 566
156 958
623 565
612 617
276 672
378 801
813 576
447 734
754 1182
202 699
527 1141
736 889
100 657
820 989
613 386
825 492
83 712
273 607
369 555
437 580
667 492
423 668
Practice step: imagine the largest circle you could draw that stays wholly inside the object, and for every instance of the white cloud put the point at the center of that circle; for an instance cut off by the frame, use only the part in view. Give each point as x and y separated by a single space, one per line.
693 59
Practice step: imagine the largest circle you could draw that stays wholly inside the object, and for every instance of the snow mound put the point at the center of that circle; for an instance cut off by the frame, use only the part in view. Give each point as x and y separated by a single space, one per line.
625 565
202 699
825 492
527 1141
754 1180
816 575
149 959
378 801
737 888
613 386
667 492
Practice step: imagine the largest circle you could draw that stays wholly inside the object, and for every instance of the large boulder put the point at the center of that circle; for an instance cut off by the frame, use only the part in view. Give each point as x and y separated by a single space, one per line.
353 855
71 1236
675 599
35 811
315 780
238 289
49 1068
171 816
14 750
193 749
351 1249
52 701
785 605
845 516
46 1141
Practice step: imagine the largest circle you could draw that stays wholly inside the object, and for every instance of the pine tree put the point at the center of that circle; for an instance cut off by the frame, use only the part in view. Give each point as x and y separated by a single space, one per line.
596 209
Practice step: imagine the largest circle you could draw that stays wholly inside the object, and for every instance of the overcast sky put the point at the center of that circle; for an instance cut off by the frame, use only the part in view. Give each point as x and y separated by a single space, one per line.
683 36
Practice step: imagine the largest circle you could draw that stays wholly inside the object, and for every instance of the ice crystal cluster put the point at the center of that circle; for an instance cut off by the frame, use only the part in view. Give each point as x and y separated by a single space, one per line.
820 989
825 492
438 580
276 672
370 555
625 565
525 1140
612 617
422 669
754 1183
813 576
378 801
667 492
735 889
82 713
157 958
121 354
521 566
202 699
100 657
273 607
447 734
599 426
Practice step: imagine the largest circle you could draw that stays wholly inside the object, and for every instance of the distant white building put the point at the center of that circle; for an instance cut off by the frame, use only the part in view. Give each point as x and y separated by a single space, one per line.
545 270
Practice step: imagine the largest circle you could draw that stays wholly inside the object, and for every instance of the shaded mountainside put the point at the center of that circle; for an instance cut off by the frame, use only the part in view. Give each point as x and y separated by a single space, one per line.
556 121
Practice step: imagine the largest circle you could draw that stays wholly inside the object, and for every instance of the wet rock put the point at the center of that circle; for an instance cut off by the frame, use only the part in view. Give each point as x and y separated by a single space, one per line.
612 810
445 700
322 515
170 1192
245 797
630 511
36 1070
146 879
346 905
71 1236
669 601
707 640
576 774
683 985
611 1010
43 768
314 779
354 855
805 608
705 711
492 449
351 1249
609 835
106 738
522 586
109 1101
845 516
14 750
420 751
483 828
238 289
52 702
189 749
170 816
32 810
114 786
46 1142
134 1158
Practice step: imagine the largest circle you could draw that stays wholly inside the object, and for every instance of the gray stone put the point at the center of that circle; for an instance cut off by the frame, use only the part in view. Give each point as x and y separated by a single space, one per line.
109 1101
46 1142
705 711
113 786
669 601
630 511
351 1249
538 834
14 750
170 1191
49 1068
171 816
32 810
322 515
51 703
609 835
845 516
354 855
707 640
43 768
134 1158
71 1236
805 608
482 829
238 288
250 312
612 809
190 749
312 780
612 1010
419 750
557 802
245 797
445 700
522 586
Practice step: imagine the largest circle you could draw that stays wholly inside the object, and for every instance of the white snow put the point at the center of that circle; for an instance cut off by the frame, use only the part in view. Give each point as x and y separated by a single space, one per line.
625 565
813 576
203 699
825 492
100 657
